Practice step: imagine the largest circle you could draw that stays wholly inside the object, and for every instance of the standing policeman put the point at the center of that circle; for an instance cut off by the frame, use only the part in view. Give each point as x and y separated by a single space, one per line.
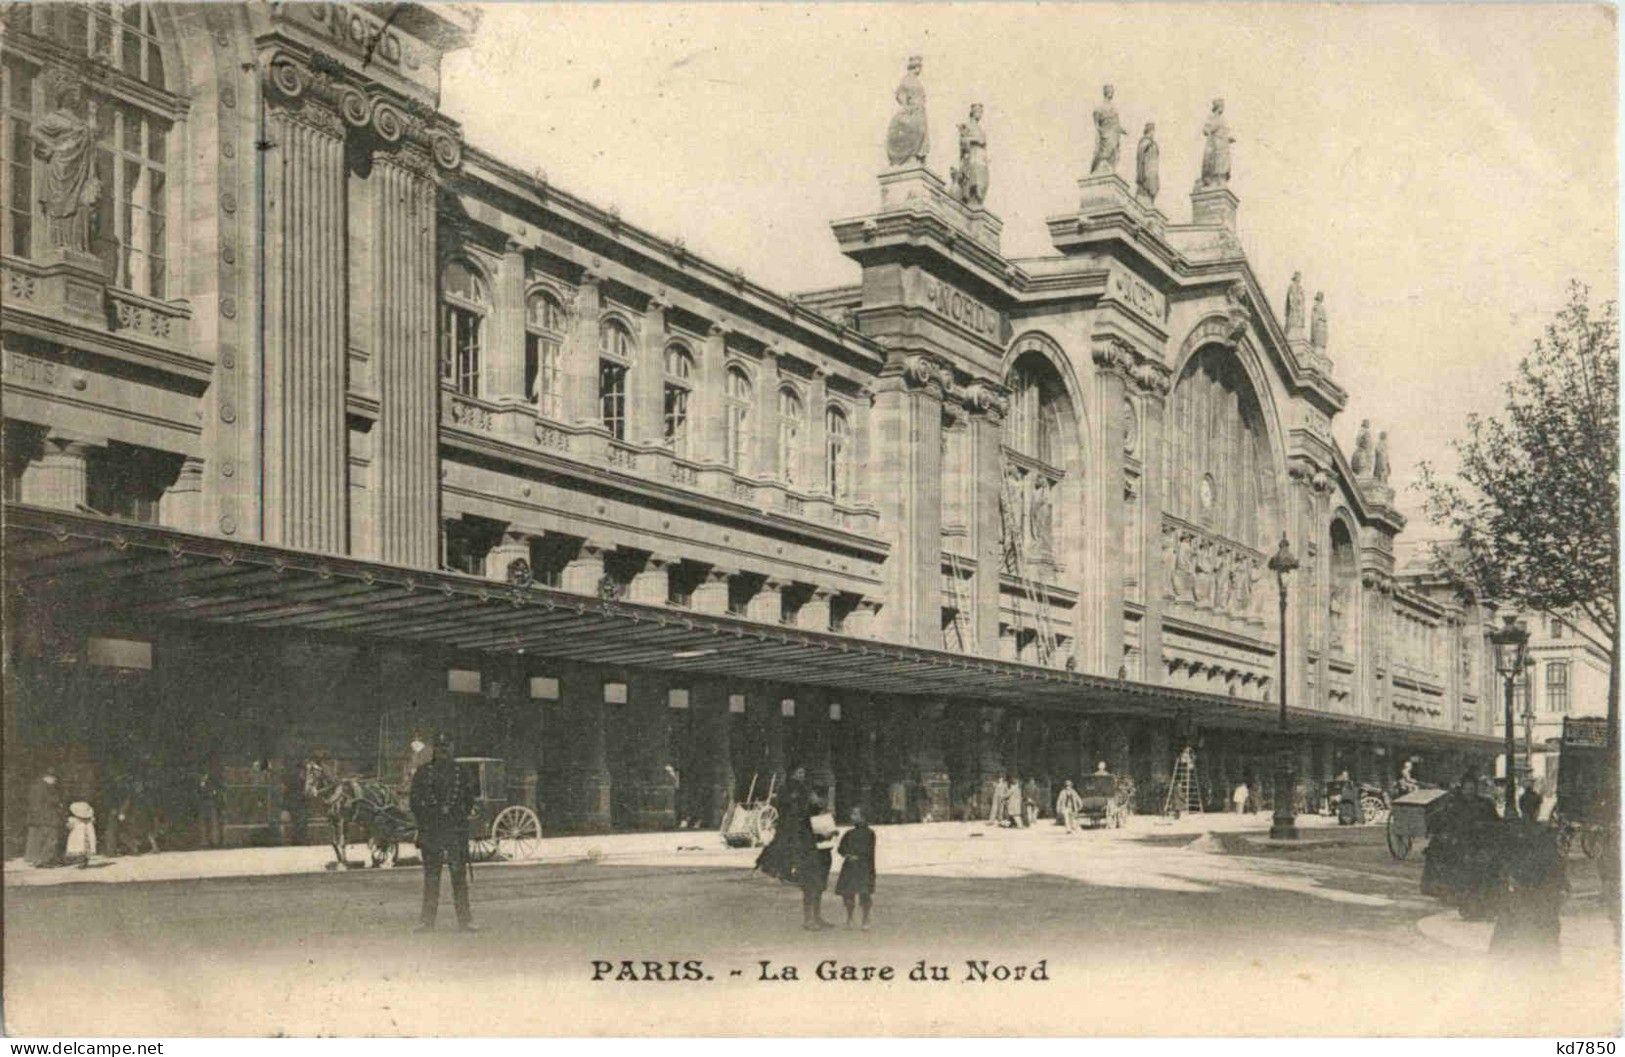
442 797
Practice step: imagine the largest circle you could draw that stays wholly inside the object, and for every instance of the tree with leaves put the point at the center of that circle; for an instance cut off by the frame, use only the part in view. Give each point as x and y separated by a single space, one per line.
1534 508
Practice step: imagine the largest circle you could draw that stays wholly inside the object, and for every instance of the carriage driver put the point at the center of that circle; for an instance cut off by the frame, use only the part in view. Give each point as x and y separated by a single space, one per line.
442 797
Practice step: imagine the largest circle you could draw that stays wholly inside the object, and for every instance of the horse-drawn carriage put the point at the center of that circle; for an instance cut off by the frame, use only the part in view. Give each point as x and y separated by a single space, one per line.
1108 799
497 826
1582 808
1372 806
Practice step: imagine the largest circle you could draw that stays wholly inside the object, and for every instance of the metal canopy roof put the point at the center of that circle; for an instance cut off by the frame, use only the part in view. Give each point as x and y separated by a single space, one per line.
136 572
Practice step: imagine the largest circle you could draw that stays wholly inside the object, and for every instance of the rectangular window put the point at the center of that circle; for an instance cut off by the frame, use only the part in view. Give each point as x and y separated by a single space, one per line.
460 349
676 420
612 397
542 374
544 688
736 435
1557 687
17 150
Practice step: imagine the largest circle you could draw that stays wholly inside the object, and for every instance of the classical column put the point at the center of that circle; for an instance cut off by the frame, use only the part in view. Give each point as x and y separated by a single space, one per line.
767 604
502 376
906 463
652 586
58 477
499 560
646 401
579 371
306 330
407 461
1150 444
814 614
582 574
930 765
711 593
181 505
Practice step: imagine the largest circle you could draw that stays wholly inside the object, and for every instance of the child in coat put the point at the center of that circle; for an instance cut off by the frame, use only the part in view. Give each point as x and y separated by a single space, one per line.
857 881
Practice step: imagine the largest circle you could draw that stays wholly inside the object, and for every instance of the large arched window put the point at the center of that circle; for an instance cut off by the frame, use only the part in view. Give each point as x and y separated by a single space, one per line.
1037 395
1220 474
107 142
465 301
615 352
791 424
738 395
1344 579
679 382
544 345
837 453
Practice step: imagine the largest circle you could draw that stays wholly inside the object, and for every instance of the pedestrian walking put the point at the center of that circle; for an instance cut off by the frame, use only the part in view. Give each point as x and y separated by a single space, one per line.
1238 798
1029 802
210 800
1001 795
81 834
1530 801
1012 803
856 885
44 820
1067 806
794 855
442 796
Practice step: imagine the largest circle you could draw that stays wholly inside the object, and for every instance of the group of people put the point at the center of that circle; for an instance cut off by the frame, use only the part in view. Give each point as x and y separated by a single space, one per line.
131 810
58 833
799 854
1015 803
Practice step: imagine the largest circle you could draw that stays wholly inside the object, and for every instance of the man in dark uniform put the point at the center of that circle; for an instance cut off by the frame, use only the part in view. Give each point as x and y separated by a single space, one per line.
441 799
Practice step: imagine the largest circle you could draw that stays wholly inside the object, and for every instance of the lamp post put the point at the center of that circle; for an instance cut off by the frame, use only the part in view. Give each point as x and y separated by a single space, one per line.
1510 640
1284 824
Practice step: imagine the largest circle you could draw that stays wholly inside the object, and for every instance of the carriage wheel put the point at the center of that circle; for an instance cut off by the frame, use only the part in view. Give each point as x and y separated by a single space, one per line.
517 832
382 850
481 848
1399 847
1372 809
767 824
1590 841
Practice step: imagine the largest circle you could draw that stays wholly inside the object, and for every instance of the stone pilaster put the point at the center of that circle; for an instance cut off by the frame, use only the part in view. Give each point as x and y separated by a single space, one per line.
985 437
181 505
579 371
815 472
58 477
583 573
652 586
1153 576
646 401
764 451
711 593
907 455
707 412
930 767
407 461
306 334
502 376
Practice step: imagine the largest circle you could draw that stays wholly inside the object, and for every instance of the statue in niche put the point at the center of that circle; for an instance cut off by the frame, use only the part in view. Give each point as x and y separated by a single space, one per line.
1185 568
1249 602
1042 517
1466 656
907 138
1317 324
1221 581
1108 134
1360 461
1147 160
1207 567
1379 458
71 189
1216 153
1336 607
970 179
1294 307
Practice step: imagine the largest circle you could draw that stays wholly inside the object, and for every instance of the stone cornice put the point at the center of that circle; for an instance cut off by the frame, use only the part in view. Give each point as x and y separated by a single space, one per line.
934 374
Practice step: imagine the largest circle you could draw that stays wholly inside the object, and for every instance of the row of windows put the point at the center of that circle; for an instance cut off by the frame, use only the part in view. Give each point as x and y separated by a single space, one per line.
1556 701
466 302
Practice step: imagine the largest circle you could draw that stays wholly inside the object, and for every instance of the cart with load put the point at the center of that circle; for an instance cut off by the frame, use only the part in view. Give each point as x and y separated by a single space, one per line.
1107 799
751 823
1410 817
1582 791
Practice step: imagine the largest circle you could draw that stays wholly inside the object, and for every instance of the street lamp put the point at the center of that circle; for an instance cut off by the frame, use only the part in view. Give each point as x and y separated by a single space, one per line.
1510 640
1284 825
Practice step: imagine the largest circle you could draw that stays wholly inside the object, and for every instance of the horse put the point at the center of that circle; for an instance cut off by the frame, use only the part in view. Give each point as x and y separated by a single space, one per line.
369 803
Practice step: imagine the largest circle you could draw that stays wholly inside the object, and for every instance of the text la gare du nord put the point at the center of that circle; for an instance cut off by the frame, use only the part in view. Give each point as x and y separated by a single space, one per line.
694 970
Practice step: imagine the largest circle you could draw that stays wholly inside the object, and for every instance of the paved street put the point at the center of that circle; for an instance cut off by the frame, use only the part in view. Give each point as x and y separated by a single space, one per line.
1158 928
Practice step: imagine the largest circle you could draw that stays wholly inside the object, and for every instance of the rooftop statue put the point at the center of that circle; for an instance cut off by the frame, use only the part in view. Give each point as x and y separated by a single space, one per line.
1317 323
907 139
970 179
1216 155
1146 160
1294 307
71 189
1108 134
1360 461
1379 458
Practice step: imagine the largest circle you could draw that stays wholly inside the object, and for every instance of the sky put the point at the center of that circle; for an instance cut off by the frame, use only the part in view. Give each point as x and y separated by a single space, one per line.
1440 171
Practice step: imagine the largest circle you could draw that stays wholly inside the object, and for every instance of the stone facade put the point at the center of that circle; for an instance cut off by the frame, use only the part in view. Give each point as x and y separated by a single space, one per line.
373 339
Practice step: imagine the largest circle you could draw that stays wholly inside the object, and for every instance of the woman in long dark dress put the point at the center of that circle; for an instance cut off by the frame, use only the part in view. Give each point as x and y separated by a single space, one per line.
857 881
793 855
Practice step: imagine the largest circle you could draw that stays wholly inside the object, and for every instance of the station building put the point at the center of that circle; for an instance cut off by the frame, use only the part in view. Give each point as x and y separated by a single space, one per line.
328 427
